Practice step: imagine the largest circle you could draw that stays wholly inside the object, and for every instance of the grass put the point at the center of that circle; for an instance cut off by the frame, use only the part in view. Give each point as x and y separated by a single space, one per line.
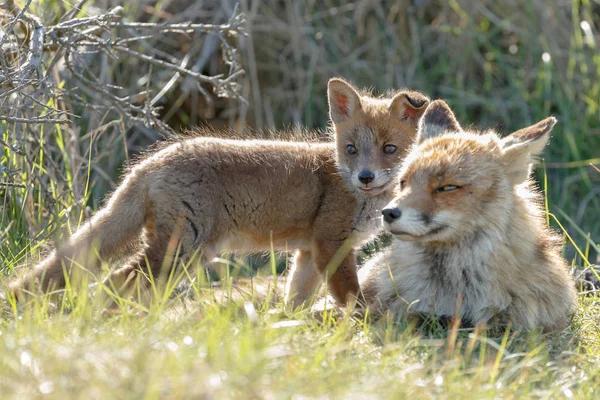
236 341
202 343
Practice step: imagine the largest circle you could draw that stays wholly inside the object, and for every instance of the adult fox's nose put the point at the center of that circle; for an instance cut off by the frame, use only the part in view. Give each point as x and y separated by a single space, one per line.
365 176
391 214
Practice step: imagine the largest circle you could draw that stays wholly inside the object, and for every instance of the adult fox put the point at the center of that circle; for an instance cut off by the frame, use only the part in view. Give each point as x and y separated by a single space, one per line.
471 231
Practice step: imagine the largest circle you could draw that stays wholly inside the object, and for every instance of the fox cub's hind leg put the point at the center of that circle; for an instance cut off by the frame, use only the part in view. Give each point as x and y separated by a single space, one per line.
169 242
303 279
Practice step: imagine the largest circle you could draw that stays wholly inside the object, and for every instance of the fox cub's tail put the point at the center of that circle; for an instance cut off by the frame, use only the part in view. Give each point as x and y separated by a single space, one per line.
107 235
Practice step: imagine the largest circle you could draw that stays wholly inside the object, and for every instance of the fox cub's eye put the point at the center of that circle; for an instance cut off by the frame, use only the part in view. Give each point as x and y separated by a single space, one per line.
402 184
447 188
351 150
389 149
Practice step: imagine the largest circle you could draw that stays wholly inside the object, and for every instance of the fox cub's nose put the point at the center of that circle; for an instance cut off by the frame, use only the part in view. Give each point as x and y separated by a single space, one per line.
366 176
391 214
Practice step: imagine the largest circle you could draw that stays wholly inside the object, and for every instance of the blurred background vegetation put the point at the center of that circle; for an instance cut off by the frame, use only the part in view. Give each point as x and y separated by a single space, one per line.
499 64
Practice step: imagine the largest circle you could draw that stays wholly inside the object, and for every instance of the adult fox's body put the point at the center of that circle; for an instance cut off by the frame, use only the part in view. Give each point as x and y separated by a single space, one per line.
472 234
203 196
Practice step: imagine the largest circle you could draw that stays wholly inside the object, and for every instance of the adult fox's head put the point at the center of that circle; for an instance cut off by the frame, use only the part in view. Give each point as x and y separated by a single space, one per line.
454 183
372 135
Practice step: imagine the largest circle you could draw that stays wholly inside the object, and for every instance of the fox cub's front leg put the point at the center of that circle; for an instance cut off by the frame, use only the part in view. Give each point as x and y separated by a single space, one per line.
307 273
303 279
336 263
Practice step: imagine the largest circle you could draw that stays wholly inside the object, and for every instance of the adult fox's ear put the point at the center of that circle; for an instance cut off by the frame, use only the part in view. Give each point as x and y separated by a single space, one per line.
409 105
437 120
520 148
344 100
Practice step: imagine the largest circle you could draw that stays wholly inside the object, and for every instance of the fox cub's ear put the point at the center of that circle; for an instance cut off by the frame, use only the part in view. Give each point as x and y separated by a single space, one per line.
519 147
437 120
344 100
409 105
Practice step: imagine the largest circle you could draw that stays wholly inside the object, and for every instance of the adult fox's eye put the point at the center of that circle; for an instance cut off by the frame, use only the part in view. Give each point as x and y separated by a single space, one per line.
447 188
389 149
351 150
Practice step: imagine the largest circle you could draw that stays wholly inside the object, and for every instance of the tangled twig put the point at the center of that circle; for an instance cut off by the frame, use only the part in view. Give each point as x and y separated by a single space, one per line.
24 79
51 74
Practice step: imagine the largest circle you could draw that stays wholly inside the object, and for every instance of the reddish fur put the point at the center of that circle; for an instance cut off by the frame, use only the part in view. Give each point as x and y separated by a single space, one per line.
409 113
341 102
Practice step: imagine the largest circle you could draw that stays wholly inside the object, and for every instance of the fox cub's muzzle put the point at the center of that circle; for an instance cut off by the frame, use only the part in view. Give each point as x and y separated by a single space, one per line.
366 176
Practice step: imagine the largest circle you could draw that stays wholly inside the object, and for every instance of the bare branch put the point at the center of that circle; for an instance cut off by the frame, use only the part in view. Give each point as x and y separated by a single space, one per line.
10 184
52 75
73 38
35 120
11 147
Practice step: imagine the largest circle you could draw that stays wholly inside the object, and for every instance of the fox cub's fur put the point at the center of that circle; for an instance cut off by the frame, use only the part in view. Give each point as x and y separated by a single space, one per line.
206 195
471 232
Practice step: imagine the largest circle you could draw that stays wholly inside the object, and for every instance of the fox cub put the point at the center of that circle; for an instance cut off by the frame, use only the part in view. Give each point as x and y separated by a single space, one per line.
471 235
203 196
